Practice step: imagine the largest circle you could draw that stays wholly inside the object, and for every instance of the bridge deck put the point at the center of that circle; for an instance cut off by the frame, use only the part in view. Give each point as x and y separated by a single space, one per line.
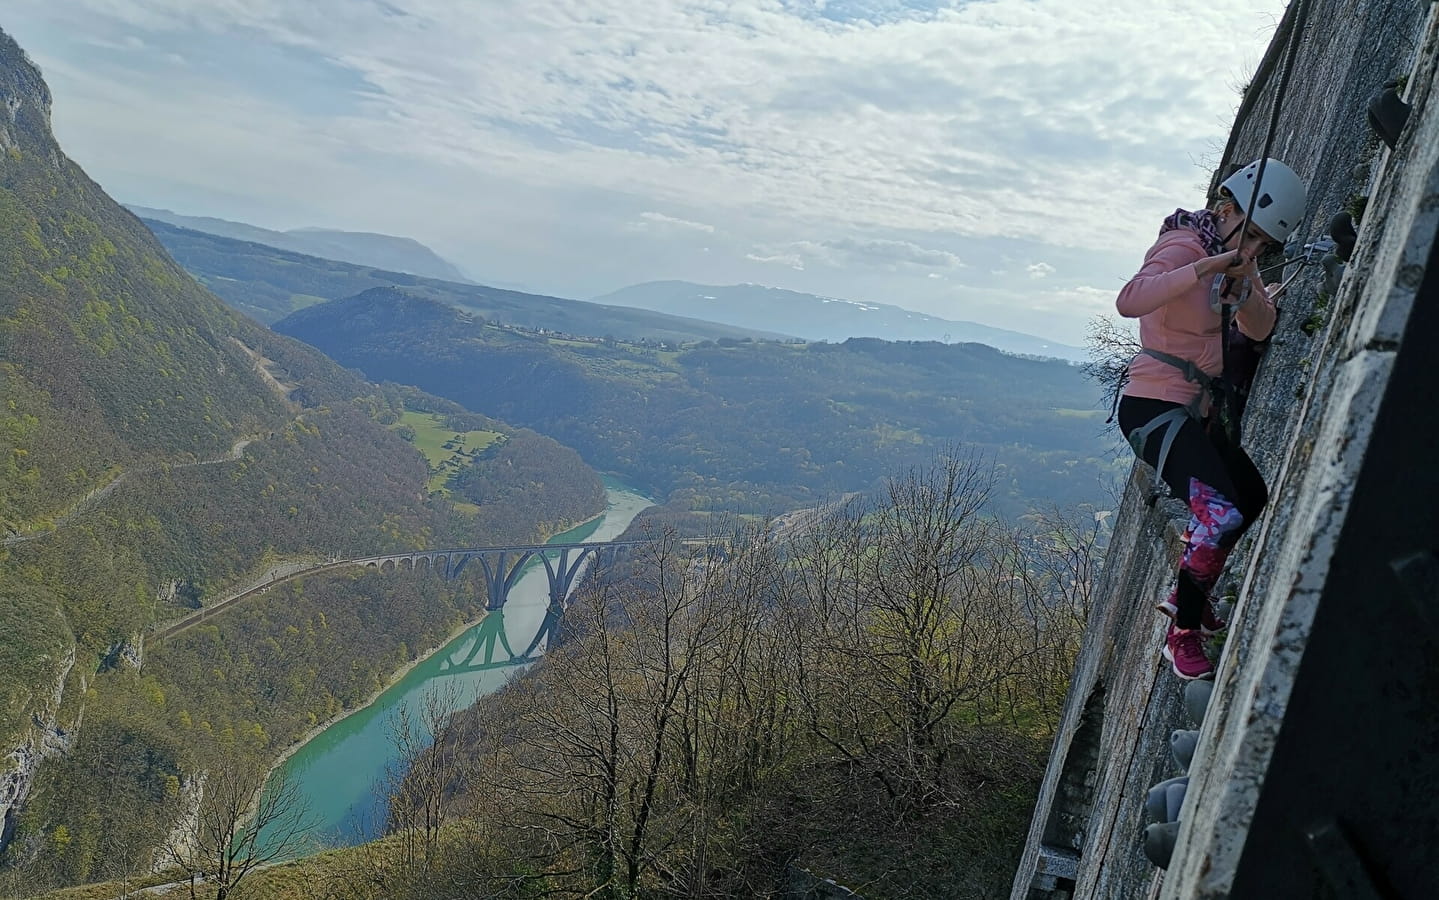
518 548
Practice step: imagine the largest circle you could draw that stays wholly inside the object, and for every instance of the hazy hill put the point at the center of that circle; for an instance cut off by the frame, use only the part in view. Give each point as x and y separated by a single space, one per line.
269 284
383 251
819 318
156 450
753 425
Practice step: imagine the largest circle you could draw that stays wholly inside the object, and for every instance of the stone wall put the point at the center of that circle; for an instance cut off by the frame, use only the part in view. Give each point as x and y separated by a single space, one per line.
1252 826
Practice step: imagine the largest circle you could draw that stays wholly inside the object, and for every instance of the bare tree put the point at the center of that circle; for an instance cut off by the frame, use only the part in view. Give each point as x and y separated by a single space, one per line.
431 752
242 823
1111 347
595 770
1050 566
737 719
901 650
911 628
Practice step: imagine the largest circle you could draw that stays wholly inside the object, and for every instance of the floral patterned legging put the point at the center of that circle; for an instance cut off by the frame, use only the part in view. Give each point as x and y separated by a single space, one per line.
1224 490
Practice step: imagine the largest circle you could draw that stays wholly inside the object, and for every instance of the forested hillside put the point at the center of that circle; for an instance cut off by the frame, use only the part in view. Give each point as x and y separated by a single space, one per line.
157 448
734 424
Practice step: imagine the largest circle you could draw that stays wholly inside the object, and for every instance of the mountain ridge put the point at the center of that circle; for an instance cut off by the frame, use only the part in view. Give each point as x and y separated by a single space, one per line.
817 317
385 251
269 283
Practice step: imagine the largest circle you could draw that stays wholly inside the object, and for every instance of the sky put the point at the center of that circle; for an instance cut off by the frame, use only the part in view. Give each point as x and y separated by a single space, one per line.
998 161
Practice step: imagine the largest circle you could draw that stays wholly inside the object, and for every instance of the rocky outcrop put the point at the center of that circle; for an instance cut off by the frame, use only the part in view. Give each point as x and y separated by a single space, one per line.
126 654
179 593
180 842
45 738
1315 772
25 99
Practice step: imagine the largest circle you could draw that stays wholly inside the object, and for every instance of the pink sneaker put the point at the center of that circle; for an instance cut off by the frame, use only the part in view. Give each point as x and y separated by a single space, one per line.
1210 625
1184 648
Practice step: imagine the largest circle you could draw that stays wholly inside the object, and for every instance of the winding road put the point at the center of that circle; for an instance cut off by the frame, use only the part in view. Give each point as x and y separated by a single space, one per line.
94 498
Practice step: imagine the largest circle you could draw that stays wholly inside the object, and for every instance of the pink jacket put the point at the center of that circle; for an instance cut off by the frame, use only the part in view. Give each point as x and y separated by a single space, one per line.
1172 305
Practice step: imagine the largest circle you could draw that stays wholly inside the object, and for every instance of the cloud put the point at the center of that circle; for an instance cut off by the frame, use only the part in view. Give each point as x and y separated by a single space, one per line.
994 118
650 220
1040 270
932 129
1080 301
846 252
891 252
792 260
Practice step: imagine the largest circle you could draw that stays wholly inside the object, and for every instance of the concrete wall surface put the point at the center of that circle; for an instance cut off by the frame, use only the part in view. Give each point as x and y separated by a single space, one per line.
1317 772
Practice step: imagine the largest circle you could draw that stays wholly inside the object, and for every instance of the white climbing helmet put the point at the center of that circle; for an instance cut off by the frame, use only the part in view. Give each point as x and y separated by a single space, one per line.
1281 200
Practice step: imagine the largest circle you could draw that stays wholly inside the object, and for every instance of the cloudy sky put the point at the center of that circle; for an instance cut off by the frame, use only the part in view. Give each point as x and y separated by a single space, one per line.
999 161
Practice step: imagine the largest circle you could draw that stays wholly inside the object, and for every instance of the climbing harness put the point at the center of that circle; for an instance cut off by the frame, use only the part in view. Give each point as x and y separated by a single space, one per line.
1173 420
1225 392
1279 218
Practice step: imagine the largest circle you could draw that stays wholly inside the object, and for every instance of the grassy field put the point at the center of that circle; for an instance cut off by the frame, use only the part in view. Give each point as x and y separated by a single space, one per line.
447 450
300 301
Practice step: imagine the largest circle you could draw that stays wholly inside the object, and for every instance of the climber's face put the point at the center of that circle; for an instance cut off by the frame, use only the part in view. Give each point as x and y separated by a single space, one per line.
1252 243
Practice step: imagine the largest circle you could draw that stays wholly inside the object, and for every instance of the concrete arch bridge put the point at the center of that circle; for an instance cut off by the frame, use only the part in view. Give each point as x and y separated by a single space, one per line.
502 569
504 565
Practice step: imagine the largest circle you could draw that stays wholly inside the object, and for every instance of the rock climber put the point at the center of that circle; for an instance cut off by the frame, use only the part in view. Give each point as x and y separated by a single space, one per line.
1203 260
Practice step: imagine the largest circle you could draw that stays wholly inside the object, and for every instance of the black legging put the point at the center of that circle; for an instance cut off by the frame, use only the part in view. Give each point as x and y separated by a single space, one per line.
1204 453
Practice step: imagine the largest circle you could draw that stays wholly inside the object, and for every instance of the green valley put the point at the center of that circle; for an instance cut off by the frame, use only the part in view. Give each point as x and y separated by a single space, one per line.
741 425
157 450
161 451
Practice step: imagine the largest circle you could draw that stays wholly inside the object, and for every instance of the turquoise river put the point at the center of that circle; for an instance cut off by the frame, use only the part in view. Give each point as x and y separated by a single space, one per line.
340 769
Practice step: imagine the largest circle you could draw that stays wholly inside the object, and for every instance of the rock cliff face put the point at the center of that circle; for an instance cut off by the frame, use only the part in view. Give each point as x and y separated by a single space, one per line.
44 738
181 842
25 99
1318 758
25 124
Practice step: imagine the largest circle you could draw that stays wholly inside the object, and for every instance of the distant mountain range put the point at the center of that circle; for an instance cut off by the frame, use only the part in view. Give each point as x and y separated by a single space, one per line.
820 318
747 309
383 251
269 283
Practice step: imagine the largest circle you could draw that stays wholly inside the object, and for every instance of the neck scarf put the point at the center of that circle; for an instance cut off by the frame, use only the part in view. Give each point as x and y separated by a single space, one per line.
1203 223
